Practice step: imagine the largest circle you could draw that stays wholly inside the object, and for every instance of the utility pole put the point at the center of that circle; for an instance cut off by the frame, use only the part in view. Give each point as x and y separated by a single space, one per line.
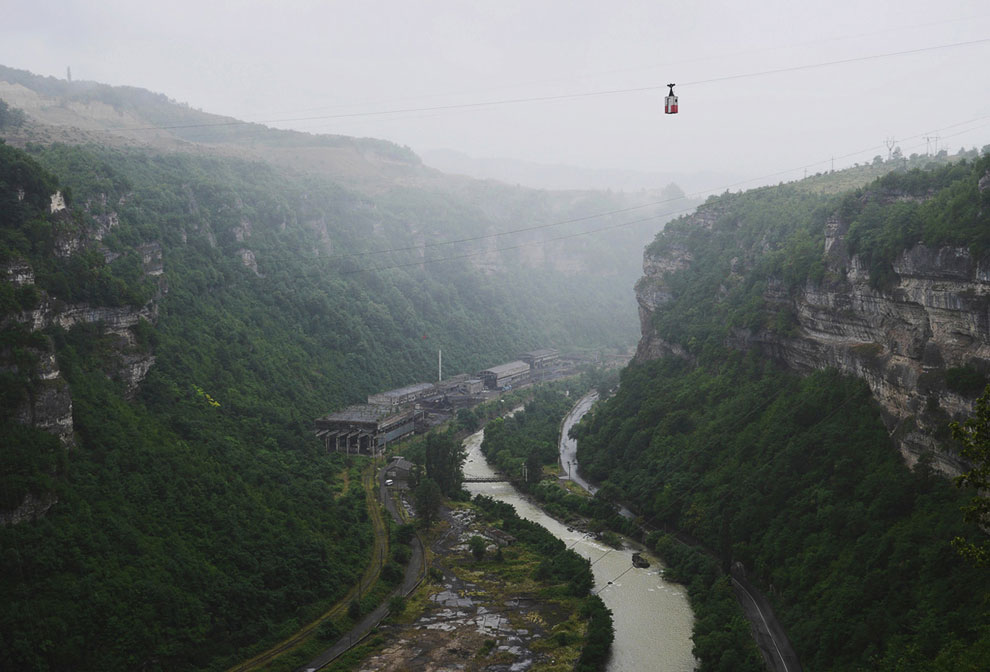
891 143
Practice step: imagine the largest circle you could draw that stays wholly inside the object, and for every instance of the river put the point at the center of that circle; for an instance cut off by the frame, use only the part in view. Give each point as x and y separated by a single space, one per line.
652 618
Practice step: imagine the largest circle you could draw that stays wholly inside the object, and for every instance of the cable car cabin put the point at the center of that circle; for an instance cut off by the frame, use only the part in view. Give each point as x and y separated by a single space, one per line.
670 102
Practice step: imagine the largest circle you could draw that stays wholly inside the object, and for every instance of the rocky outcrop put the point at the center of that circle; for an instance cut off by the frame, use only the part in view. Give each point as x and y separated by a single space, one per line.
900 339
49 404
46 401
31 508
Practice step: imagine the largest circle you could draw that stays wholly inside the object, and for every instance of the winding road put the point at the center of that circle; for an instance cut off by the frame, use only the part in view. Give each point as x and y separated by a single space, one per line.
771 639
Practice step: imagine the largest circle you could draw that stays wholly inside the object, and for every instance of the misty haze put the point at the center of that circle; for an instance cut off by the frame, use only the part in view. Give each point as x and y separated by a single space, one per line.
494 336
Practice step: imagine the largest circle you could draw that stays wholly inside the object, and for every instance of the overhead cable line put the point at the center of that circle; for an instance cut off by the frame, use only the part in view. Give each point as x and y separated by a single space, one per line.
524 229
477 253
608 213
665 65
565 96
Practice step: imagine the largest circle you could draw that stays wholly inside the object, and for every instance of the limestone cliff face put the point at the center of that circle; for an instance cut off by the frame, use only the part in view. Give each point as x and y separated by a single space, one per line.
47 402
900 339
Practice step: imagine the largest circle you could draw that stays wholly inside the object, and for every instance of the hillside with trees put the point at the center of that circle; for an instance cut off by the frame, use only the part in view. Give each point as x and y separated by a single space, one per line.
796 474
168 338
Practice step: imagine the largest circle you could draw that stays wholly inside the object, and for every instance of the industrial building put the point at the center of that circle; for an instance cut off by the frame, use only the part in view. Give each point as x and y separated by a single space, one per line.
366 428
403 395
540 359
505 375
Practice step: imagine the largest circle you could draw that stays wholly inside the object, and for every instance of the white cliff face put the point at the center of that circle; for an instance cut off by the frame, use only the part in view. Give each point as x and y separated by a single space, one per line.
900 340
58 202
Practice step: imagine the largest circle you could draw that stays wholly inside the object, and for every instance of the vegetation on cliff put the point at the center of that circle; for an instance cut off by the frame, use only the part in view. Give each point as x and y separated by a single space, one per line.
197 514
770 241
797 478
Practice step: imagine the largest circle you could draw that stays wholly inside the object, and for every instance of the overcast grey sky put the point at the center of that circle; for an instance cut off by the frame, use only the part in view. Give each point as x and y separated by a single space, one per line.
269 61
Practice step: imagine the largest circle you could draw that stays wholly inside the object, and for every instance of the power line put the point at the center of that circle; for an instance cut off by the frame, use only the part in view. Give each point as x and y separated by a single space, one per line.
665 65
608 213
566 96
524 229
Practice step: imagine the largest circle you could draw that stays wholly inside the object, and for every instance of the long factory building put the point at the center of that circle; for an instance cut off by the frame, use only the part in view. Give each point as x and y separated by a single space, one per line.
392 415
366 428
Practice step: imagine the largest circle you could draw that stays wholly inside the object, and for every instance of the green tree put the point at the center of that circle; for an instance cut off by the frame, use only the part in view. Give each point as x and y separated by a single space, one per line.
397 605
444 458
974 435
10 116
477 545
468 419
427 499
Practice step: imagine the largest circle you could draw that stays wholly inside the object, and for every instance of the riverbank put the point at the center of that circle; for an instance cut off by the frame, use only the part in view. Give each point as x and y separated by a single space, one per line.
652 618
716 595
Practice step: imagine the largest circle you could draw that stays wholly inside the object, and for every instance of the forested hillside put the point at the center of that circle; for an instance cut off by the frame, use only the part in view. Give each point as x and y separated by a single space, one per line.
169 336
792 471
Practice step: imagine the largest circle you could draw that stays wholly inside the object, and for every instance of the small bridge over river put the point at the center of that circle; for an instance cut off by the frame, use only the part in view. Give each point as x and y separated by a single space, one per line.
485 479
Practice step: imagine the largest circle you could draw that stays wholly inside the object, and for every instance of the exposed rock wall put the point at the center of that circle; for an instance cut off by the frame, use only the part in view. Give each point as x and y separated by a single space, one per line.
900 339
47 403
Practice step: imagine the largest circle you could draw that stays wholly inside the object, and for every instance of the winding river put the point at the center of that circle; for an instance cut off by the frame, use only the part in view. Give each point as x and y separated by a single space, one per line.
652 617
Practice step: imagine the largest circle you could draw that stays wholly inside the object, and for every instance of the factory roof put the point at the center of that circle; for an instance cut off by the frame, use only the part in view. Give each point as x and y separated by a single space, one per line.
360 413
508 368
544 352
408 389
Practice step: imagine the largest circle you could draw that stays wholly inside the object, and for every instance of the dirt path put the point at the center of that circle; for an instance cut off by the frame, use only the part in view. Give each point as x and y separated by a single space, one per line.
379 551
411 579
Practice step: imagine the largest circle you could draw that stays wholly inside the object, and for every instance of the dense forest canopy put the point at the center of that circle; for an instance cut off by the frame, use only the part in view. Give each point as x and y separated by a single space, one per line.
796 477
196 515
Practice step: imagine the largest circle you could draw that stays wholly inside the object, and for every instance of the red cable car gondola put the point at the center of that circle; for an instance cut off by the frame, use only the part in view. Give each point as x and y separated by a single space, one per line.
670 102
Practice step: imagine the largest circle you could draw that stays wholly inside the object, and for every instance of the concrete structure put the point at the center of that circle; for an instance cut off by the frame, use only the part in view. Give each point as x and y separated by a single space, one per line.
403 395
451 384
366 428
540 359
472 386
504 375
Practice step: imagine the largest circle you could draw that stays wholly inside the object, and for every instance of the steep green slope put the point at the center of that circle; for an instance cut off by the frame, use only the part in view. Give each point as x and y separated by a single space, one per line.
193 515
182 530
798 478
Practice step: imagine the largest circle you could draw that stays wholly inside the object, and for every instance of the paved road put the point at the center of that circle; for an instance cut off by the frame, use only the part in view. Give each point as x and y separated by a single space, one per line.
414 574
568 448
778 654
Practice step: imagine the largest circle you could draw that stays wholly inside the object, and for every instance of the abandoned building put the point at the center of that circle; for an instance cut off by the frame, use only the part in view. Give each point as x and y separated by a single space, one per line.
399 470
366 428
403 395
540 359
505 375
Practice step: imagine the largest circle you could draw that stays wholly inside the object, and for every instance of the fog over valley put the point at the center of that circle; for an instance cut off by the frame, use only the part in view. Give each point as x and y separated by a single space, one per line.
542 337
